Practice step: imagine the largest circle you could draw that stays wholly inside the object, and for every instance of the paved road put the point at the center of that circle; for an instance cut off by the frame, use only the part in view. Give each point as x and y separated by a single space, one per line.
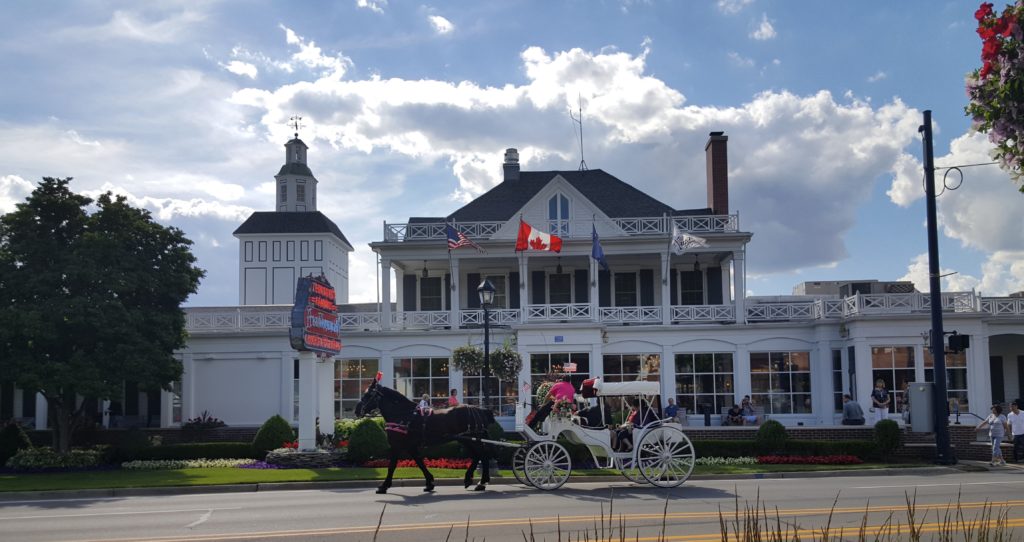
507 512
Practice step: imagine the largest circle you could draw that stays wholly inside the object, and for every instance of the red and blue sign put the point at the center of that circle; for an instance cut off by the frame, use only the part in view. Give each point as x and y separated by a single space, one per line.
315 326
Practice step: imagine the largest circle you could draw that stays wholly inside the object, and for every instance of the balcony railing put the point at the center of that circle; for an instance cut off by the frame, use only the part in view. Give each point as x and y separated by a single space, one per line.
570 229
559 312
1003 306
688 314
230 319
501 317
630 315
360 320
908 303
421 319
764 312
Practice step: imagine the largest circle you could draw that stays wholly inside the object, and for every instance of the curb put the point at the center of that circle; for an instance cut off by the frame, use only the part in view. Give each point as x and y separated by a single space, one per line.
418 482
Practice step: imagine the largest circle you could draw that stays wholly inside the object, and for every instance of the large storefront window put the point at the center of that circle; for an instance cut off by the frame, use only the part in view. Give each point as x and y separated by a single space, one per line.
704 380
551 367
503 394
956 377
415 377
895 366
351 378
781 381
626 367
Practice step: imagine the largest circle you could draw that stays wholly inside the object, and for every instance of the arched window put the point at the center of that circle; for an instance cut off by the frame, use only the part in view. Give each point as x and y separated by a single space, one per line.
558 215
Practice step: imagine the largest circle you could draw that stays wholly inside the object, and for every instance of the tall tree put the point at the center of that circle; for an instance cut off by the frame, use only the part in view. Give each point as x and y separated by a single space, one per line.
88 301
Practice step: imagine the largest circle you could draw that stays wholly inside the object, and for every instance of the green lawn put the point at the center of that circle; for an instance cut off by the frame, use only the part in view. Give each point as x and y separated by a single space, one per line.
219 476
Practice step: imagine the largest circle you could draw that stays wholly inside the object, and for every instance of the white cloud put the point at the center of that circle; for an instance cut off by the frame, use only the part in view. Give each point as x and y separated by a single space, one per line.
13 190
878 76
238 67
311 56
168 209
765 30
732 7
917 272
137 27
372 5
740 60
440 24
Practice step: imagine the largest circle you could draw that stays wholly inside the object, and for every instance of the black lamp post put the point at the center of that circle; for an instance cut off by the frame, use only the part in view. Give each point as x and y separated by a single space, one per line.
486 291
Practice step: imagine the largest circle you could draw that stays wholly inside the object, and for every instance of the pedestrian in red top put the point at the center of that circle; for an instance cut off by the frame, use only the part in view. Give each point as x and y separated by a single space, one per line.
453 399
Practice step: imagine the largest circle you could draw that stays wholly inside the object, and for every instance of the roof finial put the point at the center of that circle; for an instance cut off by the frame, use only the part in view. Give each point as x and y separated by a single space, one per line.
295 122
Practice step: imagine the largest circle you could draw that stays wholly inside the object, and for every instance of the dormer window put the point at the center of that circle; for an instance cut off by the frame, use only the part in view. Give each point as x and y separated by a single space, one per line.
283 191
558 214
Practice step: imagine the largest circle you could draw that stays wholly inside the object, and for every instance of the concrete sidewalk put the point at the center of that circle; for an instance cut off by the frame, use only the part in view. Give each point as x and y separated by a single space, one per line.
418 482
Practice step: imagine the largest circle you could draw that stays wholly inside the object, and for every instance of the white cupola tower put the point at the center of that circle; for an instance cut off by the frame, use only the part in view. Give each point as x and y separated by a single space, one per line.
296 185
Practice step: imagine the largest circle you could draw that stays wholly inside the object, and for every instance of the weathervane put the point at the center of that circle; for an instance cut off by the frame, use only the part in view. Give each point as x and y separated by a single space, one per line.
579 121
295 122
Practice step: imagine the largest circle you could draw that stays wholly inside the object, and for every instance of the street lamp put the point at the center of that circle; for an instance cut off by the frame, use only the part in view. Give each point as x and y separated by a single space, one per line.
486 291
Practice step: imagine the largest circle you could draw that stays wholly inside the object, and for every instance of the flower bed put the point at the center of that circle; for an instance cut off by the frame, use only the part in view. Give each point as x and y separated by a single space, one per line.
167 464
431 463
808 460
726 460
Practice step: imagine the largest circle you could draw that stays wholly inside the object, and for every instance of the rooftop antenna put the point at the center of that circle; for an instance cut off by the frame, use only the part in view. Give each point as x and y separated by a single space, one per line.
295 122
579 121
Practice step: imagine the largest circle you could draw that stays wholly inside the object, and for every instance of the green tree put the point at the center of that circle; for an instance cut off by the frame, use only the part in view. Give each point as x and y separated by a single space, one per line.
88 301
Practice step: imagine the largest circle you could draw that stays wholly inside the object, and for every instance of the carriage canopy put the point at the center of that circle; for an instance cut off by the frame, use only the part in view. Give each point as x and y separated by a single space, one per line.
595 387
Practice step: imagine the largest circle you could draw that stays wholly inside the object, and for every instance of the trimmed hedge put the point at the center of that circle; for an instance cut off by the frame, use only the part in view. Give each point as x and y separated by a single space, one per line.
272 435
199 450
367 440
864 449
12 439
887 437
771 437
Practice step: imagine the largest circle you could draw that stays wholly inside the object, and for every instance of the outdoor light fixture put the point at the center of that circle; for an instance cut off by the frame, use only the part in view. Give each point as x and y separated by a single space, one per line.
696 265
424 273
486 291
558 268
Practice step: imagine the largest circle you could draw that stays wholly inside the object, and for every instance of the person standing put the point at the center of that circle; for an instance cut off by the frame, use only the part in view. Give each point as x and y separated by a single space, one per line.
996 423
852 413
880 401
672 410
1015 419
453 399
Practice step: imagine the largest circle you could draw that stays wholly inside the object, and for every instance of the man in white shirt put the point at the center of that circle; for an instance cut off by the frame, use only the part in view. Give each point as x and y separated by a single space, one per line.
1016 421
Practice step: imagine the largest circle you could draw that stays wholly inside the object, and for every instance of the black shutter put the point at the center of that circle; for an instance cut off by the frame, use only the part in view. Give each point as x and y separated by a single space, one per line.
153 408
673 278
604 289
513 290
131 399
408 292
6 400
472 298
714 275
646 287
446 295
537 287
28 403
582 285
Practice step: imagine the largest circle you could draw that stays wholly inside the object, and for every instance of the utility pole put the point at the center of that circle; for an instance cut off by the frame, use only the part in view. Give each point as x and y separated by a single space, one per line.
943 451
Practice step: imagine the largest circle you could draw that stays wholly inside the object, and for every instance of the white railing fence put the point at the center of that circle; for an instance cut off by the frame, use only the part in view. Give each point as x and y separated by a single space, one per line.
631 315
703 313
781 311
475 317
562 311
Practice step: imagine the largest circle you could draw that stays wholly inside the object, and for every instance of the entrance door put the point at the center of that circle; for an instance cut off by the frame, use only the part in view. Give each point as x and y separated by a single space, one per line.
1020 377
995 367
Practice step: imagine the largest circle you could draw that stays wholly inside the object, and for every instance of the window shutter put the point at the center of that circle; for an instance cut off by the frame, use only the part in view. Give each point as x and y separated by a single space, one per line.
537 287
472 298
714 276
604 289
446 295
646 287
408 292
674 290
513 290
582 285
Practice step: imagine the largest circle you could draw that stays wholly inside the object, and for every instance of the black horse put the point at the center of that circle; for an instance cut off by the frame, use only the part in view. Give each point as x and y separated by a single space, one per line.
408 431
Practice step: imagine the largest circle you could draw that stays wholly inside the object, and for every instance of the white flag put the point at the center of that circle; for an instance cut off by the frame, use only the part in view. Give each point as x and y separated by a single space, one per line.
682 241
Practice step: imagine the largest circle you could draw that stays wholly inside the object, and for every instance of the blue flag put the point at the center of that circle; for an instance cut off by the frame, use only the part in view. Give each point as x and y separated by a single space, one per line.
597 252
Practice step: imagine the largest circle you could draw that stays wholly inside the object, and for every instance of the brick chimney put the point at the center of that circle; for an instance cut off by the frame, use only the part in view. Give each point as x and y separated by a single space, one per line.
718 173
511 165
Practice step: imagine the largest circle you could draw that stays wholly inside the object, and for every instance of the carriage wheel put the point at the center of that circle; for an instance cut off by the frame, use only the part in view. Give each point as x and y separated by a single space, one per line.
665 457
547 465
519 466
629 469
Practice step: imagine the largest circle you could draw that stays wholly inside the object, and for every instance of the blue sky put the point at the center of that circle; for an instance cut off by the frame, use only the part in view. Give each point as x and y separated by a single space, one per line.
183 107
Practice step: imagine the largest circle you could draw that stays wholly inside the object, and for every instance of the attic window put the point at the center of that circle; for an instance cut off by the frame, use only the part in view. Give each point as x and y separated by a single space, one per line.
558 214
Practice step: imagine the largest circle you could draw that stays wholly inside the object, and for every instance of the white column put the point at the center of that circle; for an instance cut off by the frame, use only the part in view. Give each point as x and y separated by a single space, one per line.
453 294
325 394
286 407
524 299
188 387
821 379
741 373
667 374
862 351
385 295
739 274
42 412
726 297
666 291
979 379
307 400
105 413
387 369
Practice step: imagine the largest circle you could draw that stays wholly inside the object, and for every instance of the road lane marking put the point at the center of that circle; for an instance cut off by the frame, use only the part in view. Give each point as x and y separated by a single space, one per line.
98 514
202 519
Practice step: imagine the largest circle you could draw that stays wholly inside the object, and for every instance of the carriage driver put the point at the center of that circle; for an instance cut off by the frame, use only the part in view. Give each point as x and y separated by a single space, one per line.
561 390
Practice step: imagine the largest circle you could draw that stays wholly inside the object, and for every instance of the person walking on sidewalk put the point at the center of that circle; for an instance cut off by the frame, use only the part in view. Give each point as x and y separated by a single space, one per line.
996 423
1015 419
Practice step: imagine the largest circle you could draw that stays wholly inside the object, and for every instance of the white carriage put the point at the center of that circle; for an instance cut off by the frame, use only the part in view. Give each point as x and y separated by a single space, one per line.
662 454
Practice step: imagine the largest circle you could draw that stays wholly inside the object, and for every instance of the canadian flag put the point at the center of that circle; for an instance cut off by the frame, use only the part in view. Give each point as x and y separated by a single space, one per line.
531 238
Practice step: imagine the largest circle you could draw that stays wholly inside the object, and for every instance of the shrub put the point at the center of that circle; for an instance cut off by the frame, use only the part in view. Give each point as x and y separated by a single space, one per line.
128 446
196 428
771 437
12 439
199 450
367 441
47 458
887 437
272 434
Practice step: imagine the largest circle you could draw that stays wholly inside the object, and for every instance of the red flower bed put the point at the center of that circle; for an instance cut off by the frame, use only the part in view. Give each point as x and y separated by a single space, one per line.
431 463
291 445
808 460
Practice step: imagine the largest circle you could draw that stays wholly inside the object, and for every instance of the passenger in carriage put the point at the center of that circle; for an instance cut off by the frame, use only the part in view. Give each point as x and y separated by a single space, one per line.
641 414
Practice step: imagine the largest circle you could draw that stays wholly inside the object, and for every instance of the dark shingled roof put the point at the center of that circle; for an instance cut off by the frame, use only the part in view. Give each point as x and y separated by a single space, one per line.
614 197
295 168
288 222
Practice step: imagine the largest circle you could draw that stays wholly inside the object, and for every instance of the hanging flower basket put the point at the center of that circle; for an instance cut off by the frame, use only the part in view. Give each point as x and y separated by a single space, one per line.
506 363
996 90
468 359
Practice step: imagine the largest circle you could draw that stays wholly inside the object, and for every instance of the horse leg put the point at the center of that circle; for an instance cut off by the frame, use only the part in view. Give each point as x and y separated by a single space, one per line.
468 479
483 459
392 463
423 468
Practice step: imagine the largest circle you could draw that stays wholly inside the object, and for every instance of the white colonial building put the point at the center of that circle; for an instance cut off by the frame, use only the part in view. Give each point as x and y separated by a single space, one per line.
680 319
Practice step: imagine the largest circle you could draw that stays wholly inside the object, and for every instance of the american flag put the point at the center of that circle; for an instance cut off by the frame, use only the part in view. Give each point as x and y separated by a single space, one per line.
457 239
